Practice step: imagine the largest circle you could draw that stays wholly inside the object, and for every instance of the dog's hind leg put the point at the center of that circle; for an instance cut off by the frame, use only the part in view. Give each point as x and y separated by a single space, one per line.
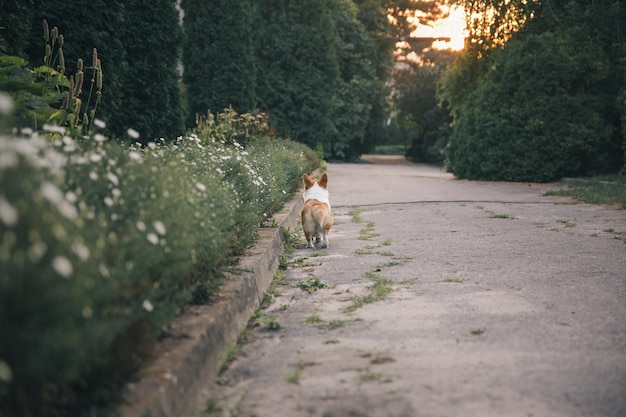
325 240
309 240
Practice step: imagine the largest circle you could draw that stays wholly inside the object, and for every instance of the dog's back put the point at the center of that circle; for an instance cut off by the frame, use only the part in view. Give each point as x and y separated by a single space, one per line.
316 216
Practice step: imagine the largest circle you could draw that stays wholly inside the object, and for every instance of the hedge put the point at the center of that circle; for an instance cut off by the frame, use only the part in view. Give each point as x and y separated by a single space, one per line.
103 244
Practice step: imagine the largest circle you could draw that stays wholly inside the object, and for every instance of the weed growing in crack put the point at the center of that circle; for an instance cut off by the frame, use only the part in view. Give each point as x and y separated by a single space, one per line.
294 377
355 215
378 292
291 239
337 323
365 375
367 233
365 251
232 353
453 280
313 318
313 284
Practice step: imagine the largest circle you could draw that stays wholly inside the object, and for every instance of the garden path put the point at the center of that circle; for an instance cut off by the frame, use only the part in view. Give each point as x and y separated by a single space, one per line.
444 298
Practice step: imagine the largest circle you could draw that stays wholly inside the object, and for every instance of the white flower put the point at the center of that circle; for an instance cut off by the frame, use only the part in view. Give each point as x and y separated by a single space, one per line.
113 178
147 305
8 213
54 128
8 160
87 312
116 192
135 156
108 201
71 197
93 175
99 137
152 145
36 251
200 186
95 157
6 375
6 107
53 194
99 123
152 238
81 251
62 266
160 228
141 226
104 271
133 133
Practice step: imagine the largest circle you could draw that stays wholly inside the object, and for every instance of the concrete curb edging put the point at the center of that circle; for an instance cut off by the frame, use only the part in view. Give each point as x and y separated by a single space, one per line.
172 385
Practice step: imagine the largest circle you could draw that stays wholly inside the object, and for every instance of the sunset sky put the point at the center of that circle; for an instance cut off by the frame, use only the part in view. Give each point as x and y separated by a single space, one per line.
453 27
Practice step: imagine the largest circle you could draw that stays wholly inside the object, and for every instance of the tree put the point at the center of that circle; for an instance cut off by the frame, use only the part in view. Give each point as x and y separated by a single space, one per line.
357 85
151 39
15 21
423 124
547 104
87 25
218 56
297 67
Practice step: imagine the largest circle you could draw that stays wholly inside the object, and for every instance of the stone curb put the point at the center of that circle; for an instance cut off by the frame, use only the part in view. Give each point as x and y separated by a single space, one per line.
198 343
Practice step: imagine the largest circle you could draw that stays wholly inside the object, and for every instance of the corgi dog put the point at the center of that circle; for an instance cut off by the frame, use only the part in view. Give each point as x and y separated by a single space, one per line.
315 216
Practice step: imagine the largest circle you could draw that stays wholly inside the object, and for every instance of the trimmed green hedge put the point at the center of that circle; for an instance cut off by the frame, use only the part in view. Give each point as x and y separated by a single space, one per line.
102 244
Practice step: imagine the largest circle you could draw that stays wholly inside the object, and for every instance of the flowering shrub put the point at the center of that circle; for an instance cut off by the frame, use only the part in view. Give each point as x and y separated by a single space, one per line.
101 245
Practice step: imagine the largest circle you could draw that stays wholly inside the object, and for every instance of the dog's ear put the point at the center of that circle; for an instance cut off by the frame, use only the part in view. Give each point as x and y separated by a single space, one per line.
323 181
308 182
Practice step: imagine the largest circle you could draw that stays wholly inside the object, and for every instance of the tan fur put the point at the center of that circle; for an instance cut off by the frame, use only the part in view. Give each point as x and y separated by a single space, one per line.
316 216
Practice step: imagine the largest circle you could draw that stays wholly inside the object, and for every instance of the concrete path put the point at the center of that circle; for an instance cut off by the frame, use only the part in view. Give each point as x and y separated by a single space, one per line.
442 298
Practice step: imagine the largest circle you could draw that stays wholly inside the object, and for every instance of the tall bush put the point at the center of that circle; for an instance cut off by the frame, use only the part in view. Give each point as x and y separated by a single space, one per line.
218 56
546 104
152 38
356 88
87 24
102 244
297 67
538 116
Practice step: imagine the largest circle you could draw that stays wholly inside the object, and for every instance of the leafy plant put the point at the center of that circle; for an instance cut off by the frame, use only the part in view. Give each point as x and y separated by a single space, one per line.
101 245
45 95
312 284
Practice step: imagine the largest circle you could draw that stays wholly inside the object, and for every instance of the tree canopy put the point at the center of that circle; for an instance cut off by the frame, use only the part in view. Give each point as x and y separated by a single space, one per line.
538 93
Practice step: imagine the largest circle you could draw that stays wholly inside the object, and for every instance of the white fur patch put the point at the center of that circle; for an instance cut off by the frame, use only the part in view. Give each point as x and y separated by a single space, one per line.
317 193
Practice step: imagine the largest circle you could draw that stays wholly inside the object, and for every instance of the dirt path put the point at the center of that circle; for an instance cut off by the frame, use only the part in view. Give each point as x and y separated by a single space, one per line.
441 298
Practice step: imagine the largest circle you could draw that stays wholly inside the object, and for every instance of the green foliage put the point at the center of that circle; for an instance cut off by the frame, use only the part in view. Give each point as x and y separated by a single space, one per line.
218 56
297 67
422 123
152 40
138 48
101 245
547 104
357 86
88 24
15 21
45 95
607 190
